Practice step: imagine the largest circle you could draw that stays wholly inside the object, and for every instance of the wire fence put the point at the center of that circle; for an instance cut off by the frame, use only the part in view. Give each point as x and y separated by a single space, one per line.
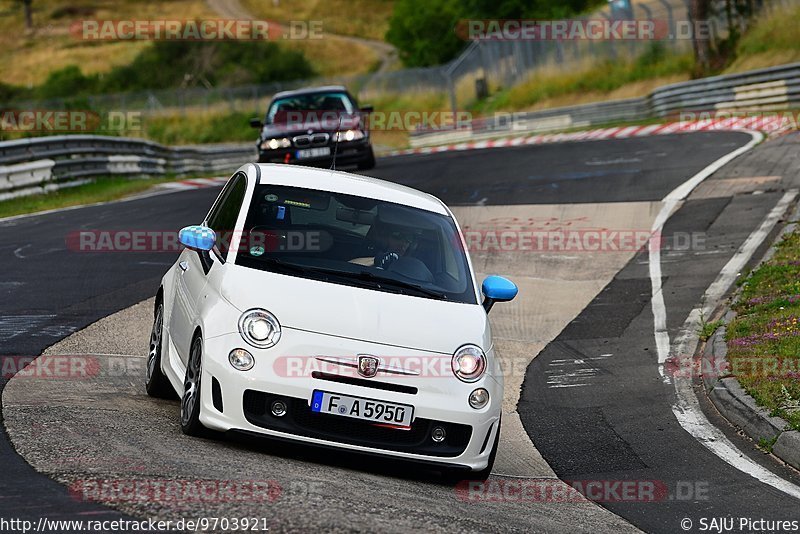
483 67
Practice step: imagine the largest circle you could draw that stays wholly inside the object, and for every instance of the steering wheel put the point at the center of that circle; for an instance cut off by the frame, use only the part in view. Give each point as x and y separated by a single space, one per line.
386 259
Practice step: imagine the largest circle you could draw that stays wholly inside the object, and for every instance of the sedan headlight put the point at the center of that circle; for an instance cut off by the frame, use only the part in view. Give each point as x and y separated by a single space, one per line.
469 363
259 328
274 144
348 135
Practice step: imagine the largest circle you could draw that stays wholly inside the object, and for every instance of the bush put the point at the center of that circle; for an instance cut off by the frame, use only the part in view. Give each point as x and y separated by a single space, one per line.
425 32
176 63
225 63
69 81
171 64
9 93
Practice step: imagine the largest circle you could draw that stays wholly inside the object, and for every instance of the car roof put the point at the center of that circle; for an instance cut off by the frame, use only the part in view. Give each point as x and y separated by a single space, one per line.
347 183
310 90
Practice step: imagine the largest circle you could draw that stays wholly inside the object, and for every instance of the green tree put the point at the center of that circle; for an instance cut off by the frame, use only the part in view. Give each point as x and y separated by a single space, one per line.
28 10
423 32
700 10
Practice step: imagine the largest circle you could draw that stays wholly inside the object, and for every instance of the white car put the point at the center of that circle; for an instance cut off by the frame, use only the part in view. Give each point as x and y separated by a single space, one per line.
336 310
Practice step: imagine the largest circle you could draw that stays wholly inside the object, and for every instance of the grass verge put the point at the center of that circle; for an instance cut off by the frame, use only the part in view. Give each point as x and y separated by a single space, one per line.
222 126
359 18
771 40
594 82
764 338
103 189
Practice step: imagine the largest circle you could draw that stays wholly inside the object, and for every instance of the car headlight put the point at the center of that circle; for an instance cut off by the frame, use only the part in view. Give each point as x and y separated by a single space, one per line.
469 363
274 144
259 328
348 135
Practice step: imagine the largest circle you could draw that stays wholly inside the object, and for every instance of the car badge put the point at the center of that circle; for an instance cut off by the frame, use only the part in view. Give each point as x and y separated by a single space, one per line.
368 365
310 131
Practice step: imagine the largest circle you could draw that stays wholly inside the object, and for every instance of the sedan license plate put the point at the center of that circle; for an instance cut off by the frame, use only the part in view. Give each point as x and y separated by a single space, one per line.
361 408
313 152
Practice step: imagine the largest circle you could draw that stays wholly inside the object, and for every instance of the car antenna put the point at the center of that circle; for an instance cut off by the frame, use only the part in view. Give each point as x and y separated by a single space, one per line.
336 143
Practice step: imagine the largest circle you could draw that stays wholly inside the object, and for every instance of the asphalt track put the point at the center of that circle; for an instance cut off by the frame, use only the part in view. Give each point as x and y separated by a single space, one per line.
619 426
617 422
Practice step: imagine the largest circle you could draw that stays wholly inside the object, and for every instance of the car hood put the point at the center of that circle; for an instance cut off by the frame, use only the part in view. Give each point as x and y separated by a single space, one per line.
356 313
312 123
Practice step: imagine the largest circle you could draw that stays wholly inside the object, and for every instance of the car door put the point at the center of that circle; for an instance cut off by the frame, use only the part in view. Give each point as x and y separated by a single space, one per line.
194 266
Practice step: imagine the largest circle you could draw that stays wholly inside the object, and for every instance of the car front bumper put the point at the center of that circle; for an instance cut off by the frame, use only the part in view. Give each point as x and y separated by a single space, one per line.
240 401
348 153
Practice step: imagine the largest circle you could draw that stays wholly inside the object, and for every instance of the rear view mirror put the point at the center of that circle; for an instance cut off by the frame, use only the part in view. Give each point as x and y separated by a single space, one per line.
367 109
197 237
355 216
397 215
256 123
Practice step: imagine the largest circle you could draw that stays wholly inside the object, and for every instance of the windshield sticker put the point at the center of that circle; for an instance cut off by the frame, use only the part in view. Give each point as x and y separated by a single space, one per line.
271 198
297 203
281 212
256 250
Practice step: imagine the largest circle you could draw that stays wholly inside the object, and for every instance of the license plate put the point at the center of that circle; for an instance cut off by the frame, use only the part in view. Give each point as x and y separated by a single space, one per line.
376 411
314 152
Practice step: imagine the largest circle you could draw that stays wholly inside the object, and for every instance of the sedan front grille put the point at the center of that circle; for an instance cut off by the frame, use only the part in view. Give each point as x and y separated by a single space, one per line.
311 140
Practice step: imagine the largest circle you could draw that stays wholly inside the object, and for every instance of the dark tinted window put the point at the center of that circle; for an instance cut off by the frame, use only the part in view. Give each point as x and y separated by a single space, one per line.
355 241
222 218
333 101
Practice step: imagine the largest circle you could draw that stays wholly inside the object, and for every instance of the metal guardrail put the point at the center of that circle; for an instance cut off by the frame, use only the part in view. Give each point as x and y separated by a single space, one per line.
46 163
770 89
42 164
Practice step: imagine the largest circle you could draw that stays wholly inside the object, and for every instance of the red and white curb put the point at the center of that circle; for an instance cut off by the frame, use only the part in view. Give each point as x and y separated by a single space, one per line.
769 125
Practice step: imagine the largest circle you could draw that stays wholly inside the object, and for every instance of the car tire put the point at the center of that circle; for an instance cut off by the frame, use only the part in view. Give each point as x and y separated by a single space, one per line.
157 384
192 390
368 162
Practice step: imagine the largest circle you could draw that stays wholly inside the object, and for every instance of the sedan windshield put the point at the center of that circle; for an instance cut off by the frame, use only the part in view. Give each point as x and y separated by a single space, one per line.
331 101
355 241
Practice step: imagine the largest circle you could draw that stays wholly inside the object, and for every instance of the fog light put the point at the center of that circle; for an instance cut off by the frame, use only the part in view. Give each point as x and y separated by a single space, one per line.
438 434
278 408
479 398
241 360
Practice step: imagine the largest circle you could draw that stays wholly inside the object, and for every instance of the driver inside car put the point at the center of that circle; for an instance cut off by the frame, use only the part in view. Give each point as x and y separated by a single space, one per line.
392 245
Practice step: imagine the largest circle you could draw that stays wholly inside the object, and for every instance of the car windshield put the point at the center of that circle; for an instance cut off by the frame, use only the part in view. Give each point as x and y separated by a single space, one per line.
355 241
325 101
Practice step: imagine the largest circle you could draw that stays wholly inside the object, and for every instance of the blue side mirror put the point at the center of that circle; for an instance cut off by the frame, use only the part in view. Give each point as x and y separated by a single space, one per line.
497 289
197 237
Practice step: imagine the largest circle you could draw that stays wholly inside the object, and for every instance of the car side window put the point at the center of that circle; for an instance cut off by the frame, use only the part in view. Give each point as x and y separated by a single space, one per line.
222 218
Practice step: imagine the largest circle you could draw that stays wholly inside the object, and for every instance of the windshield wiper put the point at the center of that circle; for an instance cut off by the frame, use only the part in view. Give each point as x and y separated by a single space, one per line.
401 284
301 269
361 276
284 265
306 269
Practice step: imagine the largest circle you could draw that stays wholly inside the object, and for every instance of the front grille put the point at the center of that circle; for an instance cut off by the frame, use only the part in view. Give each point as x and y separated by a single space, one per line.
374 384
311 140
302 421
